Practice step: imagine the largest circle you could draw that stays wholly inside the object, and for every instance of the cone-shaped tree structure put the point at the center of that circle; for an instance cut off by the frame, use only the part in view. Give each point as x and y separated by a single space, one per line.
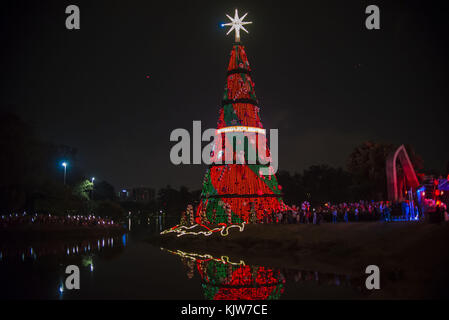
224 281
239 187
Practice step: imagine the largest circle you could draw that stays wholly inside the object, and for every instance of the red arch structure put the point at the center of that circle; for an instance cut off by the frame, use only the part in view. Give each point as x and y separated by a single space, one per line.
392 176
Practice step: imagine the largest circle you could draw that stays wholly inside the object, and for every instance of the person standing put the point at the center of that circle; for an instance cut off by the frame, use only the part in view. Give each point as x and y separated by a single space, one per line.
334 215
387 213
293 220
381 210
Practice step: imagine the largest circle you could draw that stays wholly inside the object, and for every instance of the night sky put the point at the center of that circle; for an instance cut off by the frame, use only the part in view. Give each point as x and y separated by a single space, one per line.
136 70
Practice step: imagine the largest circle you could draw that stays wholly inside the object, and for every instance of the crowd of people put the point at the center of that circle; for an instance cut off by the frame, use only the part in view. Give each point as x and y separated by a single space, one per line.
21 219
347 212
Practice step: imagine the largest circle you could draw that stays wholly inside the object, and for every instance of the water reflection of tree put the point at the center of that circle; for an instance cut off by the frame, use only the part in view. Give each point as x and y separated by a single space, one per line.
226 280
242 282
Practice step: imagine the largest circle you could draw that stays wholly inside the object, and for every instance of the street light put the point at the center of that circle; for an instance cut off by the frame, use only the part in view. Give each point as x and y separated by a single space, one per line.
92 195
64 164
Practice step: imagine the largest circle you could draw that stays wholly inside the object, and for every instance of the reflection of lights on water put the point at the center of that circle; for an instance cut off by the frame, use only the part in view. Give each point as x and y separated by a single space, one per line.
129 224
30 253
91 267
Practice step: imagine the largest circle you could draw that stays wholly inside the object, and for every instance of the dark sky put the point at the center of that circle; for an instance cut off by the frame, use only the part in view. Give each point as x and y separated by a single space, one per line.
324 80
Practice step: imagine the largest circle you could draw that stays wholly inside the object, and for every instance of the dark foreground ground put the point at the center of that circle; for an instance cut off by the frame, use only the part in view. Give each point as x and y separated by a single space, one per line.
413 257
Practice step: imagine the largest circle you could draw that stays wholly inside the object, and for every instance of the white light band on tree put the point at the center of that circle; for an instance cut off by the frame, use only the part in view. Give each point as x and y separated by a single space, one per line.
241 129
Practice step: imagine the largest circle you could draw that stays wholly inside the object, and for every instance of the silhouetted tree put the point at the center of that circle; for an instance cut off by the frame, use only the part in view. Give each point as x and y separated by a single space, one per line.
323 183
173 202
292 186
110 209
367 165
103 190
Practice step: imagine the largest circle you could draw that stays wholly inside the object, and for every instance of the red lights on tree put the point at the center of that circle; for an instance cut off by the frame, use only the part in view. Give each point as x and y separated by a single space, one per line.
236 185
239 282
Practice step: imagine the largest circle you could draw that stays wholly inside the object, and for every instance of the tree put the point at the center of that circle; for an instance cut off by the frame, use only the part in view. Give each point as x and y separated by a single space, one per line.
292 186
110 209
83 189
367 165
103 190
237 185
324 183
57 200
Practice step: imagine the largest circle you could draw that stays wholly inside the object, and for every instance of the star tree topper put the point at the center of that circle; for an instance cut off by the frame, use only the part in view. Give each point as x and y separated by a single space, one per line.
236 24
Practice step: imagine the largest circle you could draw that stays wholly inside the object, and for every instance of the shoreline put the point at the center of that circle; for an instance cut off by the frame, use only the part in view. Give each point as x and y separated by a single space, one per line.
33 232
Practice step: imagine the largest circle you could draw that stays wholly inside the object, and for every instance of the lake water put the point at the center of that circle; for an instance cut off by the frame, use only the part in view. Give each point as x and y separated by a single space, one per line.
128 267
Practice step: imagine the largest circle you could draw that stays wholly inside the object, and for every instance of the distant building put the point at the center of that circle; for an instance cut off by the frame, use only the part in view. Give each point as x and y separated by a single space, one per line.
138 194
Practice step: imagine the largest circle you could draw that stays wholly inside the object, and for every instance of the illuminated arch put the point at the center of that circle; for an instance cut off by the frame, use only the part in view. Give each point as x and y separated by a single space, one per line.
392 177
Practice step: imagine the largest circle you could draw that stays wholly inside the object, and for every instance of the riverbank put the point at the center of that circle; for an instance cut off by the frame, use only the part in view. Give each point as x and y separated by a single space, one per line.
413 257
43 232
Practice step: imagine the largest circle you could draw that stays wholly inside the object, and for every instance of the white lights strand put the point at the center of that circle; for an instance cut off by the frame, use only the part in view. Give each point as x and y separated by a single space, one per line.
224 230
241 129
195 256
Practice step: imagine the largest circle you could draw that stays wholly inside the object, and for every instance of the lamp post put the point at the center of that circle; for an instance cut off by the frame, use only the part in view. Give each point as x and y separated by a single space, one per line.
92 195
64 164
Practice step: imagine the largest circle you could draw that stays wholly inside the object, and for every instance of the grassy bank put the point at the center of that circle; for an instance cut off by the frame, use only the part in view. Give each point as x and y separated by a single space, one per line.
413 257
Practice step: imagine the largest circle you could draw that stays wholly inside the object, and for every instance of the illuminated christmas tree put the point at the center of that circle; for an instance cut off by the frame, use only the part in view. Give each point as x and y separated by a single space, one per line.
238 187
